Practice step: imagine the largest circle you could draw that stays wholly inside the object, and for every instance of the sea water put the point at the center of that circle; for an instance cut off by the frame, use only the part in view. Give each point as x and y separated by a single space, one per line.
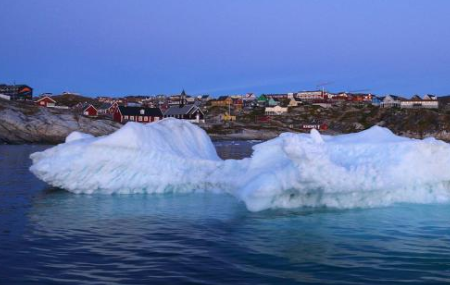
50 236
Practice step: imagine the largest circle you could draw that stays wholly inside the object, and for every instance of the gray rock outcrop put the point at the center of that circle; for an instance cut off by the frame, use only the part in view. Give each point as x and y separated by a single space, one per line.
22 123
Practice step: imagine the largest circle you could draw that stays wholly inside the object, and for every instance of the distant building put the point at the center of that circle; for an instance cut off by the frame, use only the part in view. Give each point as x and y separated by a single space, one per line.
46 101
430 97
137 114
309 96
204 98
177 100
277 96
89 110
108 108
222 101
227 117
189 112
249 101
17 92
273 102
391 101
292 102
416 102
277 110
376 101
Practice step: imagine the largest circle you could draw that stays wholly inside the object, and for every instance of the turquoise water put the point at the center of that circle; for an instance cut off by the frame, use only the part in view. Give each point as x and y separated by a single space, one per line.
49 236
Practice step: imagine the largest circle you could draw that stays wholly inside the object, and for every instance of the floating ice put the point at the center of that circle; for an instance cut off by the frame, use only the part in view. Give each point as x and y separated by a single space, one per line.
75 136
365 169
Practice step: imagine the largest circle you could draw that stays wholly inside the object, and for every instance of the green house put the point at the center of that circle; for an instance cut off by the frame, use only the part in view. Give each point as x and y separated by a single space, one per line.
262 99
272 102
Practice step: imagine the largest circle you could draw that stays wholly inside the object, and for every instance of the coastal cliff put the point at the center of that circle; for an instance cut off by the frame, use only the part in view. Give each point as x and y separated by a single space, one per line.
22 123
346 118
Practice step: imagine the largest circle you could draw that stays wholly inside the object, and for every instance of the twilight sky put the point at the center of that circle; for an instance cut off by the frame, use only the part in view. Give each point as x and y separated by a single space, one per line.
111 47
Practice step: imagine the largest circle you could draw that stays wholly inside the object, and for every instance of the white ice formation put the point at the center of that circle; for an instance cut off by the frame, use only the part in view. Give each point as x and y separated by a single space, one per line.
365 169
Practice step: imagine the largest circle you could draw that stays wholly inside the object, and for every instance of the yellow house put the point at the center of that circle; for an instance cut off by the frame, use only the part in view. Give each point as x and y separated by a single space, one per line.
222 101
227 117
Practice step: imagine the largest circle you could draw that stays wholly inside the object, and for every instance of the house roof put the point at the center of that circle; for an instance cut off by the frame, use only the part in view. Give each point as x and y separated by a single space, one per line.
105 106
415 98
136 111
46 97
276 95
87 105
309 91
430 97
397 98
222 98
183 110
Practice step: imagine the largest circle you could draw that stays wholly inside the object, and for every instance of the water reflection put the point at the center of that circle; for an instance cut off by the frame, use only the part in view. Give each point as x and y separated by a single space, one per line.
48 235
189 235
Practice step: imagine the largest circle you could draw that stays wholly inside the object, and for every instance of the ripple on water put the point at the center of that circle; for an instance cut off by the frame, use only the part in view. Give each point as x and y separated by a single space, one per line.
49 236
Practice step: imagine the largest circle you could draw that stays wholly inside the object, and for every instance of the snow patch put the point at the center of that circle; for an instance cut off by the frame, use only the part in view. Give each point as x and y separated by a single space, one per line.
75 136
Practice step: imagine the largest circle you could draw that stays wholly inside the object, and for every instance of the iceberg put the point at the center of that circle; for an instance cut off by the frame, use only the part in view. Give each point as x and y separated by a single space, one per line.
366 169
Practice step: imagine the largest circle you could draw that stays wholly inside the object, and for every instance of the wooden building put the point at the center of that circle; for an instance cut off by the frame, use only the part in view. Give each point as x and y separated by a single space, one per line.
46 101
89 110
186 112
137 114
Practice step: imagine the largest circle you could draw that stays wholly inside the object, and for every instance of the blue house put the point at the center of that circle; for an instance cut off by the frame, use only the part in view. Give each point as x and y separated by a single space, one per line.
376 101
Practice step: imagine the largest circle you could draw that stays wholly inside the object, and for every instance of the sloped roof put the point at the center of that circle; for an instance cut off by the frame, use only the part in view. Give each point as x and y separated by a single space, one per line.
184 110
136 111
86 105
48 97
415 98
105 106
222 98
397 98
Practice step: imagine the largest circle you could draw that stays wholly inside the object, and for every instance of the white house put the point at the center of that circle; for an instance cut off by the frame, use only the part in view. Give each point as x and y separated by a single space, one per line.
311 95
293 102
430 97
391 101
277 110
428 102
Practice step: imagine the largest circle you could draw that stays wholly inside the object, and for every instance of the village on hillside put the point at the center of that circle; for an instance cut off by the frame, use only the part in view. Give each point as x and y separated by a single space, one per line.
284 110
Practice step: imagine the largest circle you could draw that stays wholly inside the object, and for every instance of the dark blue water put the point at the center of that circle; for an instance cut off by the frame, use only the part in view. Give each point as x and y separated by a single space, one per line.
49 236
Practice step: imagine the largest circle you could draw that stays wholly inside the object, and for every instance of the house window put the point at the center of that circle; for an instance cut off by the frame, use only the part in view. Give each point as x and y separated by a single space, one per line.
125 117
145 119
132 118
140 119
156 119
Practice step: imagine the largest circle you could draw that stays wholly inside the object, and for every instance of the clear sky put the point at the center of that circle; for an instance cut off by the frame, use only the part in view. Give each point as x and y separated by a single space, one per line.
111 47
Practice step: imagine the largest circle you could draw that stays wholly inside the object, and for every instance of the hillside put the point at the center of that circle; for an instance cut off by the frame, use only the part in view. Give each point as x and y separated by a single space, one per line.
21 123
73 99
416 123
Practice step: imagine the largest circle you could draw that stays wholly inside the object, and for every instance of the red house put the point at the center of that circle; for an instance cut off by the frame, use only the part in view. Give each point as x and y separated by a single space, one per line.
46 101
108 108
137 114
90 111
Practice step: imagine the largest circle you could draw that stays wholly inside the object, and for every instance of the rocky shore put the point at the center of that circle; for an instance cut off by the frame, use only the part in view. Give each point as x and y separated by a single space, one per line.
21 123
